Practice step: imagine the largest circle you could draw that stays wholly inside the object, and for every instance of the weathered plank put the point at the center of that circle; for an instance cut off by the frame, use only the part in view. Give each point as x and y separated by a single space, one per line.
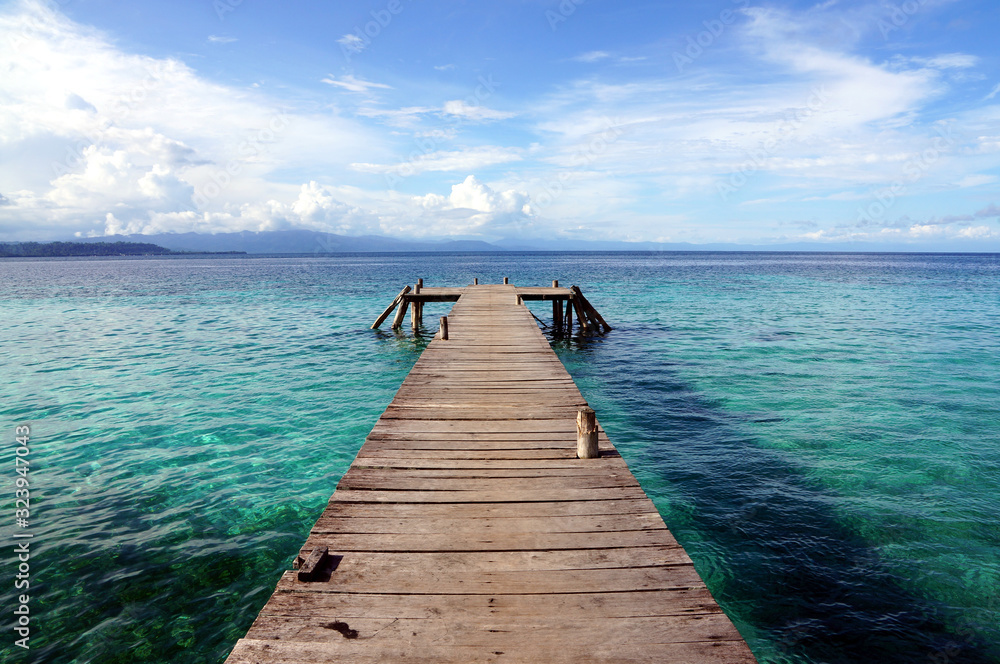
424 649
305 601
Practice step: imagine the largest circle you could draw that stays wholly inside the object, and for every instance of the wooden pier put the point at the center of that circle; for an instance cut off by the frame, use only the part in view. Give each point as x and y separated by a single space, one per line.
468 530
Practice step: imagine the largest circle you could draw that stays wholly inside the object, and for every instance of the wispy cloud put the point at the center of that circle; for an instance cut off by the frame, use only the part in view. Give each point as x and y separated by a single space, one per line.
949 61
353 84
466 160
474 112
592 56
217 39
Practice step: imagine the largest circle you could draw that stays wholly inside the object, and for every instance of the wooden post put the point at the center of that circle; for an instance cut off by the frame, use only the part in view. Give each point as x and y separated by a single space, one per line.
388 310
444 327
587 310
580 316
593 313
397 322
586 434
556 311
569 316
506 281
415 307
475 281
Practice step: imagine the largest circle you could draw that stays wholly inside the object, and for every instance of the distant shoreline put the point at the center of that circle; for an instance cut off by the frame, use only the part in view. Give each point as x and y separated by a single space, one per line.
93 249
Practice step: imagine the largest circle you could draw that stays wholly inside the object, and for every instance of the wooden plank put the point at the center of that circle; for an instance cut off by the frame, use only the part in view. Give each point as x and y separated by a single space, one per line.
487 540
477 563
309 603
512 651
567 470
501 633
335 521
540 495
397 480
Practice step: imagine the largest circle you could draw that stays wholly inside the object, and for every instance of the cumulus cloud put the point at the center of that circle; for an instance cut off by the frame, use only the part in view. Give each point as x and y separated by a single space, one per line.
88 130
316 207
474 207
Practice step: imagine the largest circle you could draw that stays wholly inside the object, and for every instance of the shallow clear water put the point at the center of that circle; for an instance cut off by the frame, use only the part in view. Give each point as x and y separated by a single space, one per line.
821 432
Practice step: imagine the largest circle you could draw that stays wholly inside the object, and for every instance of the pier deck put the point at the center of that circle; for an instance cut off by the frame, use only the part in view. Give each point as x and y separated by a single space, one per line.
467 530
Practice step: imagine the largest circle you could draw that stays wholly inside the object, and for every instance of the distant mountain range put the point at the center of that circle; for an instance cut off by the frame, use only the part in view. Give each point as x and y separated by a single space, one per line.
294 242
314 242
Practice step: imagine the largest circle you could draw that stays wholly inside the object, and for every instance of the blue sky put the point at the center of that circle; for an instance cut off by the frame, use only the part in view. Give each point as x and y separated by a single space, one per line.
728 121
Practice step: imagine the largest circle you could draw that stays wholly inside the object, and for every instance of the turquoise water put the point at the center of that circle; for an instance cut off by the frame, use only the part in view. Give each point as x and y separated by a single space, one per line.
821 432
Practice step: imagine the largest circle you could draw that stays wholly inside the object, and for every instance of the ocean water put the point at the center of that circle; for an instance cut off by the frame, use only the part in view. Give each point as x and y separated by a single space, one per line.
820 431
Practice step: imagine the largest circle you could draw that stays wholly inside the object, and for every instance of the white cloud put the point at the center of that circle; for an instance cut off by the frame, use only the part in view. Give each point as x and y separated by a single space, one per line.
949 61
976 180
475 113
976 232
352 42
353 84
476 208
405 117
592 56
446 161
218 39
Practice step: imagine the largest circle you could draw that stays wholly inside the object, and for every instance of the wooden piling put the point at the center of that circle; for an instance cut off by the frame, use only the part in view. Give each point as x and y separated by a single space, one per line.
586 434
592 311
444 328
557 323
580 315
397 321
388 310
415 307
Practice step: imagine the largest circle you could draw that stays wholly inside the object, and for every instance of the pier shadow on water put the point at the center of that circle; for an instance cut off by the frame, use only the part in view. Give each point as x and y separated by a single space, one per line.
800 586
